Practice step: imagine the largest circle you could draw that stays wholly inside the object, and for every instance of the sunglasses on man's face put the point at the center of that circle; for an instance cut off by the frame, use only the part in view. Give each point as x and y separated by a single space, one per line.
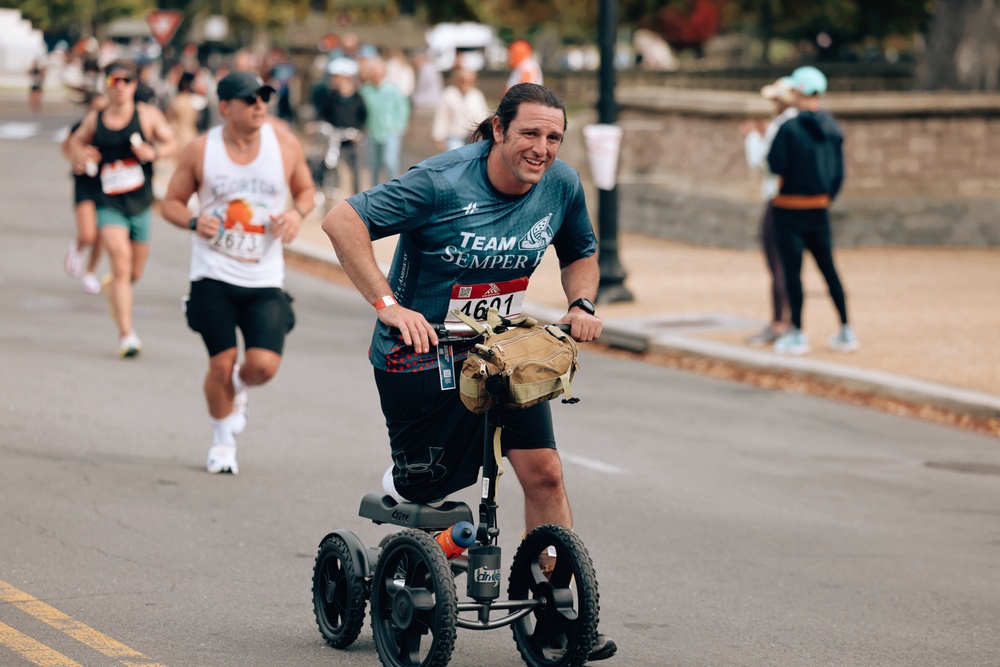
264 95
115 80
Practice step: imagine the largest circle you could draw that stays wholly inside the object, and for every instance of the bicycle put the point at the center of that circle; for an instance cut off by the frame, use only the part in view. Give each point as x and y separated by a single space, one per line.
323 151
415 611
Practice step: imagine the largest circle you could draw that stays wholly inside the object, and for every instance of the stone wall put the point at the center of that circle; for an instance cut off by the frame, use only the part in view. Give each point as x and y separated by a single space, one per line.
921 169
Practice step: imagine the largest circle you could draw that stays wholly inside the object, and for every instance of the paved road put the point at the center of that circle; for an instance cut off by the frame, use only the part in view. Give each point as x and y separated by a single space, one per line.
729 525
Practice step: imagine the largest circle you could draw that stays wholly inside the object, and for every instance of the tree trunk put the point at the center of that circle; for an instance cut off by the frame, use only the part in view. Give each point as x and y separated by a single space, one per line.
963 47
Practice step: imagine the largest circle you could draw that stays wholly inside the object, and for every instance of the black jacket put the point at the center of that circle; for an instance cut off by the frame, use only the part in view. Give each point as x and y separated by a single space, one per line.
341 111
807 152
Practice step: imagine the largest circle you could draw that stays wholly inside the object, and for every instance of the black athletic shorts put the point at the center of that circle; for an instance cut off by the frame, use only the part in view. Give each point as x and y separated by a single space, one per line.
86 188
263 314
437 443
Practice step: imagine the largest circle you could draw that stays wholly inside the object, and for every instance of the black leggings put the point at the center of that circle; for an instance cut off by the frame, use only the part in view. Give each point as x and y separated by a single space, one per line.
779 298
795 230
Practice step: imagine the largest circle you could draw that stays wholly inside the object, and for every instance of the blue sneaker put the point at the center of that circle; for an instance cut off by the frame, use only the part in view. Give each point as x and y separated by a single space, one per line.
792 342
844 340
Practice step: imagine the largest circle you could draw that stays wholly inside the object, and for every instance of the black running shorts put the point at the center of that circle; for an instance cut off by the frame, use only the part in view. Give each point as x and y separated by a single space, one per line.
437 444
263 314
86 188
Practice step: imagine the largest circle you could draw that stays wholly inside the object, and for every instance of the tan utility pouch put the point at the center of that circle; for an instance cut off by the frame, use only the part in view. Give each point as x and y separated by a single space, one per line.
518 364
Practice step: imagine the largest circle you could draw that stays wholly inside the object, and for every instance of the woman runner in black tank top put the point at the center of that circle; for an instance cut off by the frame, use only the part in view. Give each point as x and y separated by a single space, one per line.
120 167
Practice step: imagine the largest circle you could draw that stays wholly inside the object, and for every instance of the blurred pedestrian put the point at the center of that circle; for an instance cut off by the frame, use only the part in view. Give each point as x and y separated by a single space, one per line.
244 172
429 84
185 110
399 70
86 247
523 66
37 74
144 88
388 118
122 141
343 108
757 140
807 153
463 107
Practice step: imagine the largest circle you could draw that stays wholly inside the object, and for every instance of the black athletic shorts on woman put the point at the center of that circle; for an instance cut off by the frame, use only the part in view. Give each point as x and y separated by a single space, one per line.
437 443
263 314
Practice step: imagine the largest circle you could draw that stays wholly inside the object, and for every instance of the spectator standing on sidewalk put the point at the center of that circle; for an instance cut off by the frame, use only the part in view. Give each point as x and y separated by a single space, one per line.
463 107
37 74
757 140
123 141
807 153
244 172
388 118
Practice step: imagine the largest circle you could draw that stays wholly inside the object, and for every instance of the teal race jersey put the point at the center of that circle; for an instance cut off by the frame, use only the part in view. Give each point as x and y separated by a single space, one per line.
465 246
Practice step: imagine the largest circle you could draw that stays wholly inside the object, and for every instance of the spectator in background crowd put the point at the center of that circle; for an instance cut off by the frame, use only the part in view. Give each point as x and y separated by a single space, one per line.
388 117
343 108
523 66
399 70
144 91
429 84
756 144
37 74
807 153
185 110
463 107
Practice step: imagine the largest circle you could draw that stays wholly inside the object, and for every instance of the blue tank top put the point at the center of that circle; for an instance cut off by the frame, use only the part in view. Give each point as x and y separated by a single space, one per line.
463 244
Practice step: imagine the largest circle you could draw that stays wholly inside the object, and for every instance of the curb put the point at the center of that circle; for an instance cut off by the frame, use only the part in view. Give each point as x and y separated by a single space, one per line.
631 337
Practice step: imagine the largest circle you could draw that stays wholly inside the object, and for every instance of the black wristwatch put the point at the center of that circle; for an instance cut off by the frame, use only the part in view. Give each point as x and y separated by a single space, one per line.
584 304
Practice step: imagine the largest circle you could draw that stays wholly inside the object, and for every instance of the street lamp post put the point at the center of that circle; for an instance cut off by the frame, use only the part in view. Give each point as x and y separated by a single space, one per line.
612 284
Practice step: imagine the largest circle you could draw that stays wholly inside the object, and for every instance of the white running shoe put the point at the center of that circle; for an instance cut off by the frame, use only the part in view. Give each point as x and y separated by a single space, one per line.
129 346
73 264
91 284
792 342
241 405
222 458
844 340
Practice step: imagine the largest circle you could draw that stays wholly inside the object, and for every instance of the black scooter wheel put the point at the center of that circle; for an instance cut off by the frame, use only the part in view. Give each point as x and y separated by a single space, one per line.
414 603
561 632
339 595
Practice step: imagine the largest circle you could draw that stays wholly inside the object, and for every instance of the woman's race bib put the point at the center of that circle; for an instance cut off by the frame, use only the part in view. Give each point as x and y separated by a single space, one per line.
475 301
122 176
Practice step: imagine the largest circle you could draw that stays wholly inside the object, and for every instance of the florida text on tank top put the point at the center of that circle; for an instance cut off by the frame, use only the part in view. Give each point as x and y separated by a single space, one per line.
244 196
126 183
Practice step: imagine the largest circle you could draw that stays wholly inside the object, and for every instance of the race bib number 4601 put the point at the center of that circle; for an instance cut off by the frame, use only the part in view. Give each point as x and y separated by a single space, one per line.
475 301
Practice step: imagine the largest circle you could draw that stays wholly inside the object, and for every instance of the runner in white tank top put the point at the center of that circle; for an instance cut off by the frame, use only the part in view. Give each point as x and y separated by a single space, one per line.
254 190
244 197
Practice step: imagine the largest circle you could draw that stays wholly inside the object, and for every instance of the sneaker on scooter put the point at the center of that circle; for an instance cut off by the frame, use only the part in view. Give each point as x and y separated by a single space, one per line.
222 458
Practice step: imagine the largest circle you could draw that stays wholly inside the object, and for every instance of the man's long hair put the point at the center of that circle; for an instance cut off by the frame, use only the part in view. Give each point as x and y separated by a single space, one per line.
507 109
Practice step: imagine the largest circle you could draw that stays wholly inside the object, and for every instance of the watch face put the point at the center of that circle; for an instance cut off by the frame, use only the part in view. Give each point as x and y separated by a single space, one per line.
585 304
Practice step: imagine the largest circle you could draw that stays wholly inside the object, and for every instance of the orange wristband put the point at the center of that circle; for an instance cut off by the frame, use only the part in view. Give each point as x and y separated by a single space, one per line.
384 302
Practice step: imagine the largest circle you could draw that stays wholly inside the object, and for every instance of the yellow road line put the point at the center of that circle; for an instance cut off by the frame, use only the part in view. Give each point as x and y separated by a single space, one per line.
31 650
79 631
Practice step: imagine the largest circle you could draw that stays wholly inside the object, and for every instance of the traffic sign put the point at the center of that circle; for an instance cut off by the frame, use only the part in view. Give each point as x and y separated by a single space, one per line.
163 23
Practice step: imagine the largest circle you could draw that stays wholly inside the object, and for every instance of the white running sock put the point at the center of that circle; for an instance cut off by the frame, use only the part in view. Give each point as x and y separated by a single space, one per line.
222 431
238 384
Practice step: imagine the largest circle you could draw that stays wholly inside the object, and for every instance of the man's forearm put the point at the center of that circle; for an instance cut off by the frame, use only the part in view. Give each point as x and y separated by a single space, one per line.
580 279
350 239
